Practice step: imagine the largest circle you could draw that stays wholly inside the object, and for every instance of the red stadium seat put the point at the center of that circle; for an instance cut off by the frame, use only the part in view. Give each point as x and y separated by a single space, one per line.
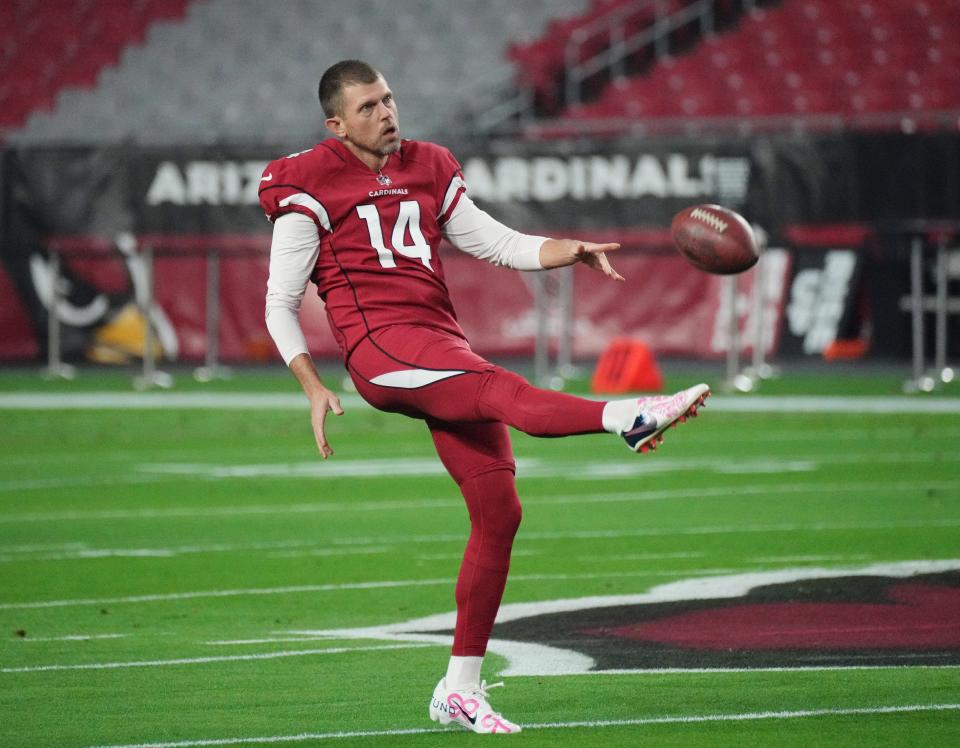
804 58
540 64
46 45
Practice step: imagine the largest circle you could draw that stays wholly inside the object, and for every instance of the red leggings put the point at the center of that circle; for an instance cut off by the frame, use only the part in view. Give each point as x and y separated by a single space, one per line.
467 403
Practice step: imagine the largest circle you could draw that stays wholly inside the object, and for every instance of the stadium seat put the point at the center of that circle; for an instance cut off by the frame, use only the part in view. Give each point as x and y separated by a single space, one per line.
195 52
847 54
52 45
540 63
807 58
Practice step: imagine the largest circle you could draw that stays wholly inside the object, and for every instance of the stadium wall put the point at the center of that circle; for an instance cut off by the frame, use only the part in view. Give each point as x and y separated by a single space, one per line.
838 213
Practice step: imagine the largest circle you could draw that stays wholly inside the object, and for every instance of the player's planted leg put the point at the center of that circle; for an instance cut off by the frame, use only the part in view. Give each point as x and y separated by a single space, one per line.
468 707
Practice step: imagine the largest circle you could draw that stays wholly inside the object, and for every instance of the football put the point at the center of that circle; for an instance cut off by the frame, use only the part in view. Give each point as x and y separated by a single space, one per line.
714 239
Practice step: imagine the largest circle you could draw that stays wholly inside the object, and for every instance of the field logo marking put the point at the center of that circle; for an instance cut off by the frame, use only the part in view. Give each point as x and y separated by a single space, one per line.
535 658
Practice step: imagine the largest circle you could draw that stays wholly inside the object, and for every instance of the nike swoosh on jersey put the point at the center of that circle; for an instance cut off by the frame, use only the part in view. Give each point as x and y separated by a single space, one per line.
267 178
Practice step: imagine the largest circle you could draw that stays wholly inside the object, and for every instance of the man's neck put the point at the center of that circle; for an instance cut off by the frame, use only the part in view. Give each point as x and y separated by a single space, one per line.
373 161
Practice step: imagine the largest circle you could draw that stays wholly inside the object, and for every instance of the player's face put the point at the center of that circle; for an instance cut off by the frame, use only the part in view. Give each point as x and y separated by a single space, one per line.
368 123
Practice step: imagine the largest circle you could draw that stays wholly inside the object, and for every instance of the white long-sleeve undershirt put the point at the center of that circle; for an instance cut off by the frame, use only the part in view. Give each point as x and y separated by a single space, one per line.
296 244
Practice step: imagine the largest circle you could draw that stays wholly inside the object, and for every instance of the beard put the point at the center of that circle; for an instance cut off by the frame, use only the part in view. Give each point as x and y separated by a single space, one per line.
392 143
389 148
382 146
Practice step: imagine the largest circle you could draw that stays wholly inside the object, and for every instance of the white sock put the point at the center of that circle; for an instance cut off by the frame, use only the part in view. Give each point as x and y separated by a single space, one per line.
619 415
463 671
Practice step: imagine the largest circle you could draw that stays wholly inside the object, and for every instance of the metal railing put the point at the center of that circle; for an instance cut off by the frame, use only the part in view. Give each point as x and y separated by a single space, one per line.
555 315
939 235
515 107
614 56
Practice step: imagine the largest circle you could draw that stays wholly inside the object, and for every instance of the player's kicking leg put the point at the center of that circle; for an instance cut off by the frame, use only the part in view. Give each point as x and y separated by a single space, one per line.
642 422
510 399
416 371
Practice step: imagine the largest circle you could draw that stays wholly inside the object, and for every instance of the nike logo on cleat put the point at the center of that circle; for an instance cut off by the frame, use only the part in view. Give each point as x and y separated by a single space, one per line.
457 709
640 429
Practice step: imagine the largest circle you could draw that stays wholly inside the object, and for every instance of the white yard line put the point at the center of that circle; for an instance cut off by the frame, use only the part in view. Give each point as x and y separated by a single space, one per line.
377 585
39 547
161 401
294 401
302 548
736 529
751 716
640 556
743 670
456 556
298 589
836 558
595 724
381 544
205 660
415 467
72 637
81 481
835 404
530 468
640 495
315 588
270 640
366 551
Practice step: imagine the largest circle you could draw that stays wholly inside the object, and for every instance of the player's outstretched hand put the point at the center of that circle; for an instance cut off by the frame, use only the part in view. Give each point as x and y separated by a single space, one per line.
322 401
558 253
595 256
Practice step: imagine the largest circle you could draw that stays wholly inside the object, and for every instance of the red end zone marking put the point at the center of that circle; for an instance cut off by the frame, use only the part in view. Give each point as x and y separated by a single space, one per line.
917 616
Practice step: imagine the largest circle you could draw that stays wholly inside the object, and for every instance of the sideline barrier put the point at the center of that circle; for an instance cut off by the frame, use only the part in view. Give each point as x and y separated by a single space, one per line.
140 255
624 189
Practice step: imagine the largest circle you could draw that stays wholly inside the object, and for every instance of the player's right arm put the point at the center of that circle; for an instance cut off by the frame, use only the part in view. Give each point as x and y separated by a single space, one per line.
297 221
293 255
322 400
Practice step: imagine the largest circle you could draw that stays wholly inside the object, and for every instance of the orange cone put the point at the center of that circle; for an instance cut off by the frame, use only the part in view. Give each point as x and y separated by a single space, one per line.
627 366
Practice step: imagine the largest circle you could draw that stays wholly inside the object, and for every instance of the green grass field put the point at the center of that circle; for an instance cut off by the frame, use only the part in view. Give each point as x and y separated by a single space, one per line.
158 567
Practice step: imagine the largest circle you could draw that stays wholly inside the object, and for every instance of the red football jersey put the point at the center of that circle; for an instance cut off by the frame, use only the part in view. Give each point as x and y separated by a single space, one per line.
379 232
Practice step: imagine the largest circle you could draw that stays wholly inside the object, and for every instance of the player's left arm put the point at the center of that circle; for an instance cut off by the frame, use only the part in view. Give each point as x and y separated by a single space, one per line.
558 253
476 232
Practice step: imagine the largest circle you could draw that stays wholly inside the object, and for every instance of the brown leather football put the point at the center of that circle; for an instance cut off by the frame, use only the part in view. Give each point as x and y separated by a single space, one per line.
714 239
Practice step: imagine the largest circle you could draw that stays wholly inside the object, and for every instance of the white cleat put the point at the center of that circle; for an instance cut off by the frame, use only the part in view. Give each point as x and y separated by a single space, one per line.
469 708
658 413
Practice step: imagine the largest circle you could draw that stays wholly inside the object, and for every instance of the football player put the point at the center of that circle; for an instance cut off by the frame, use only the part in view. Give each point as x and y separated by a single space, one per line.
362 215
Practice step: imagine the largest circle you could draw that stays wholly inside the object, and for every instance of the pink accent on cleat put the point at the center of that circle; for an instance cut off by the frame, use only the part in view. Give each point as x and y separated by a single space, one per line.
469 708
658 413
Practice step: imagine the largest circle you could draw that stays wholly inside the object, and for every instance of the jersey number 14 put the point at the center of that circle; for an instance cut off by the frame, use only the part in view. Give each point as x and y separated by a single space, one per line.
407 220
